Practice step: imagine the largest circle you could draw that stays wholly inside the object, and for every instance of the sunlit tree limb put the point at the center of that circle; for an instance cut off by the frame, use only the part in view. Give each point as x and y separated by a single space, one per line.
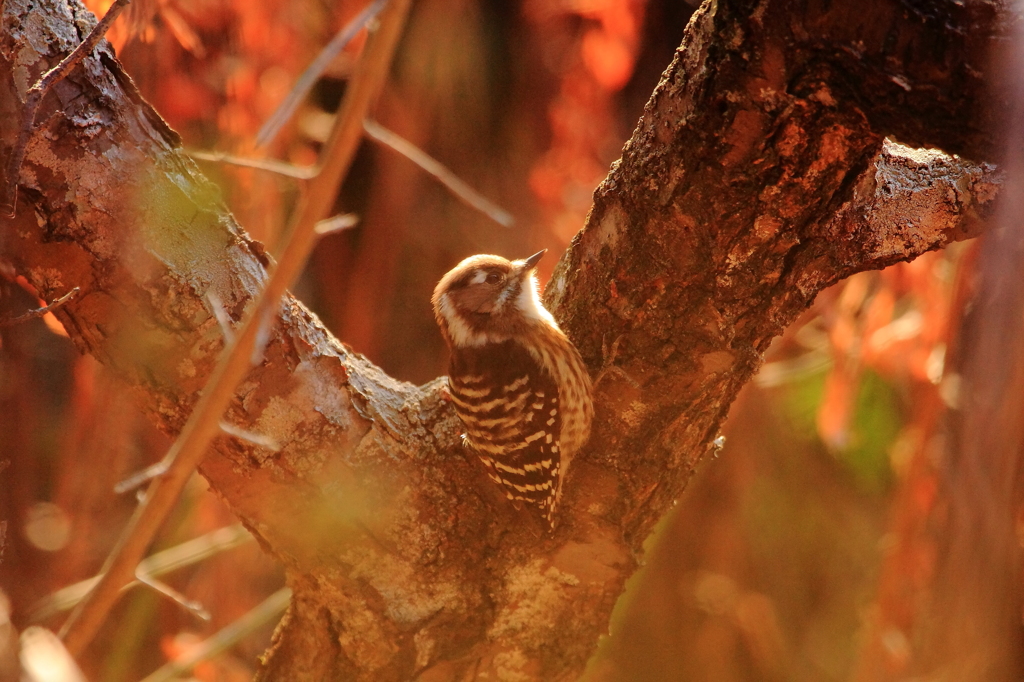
744 191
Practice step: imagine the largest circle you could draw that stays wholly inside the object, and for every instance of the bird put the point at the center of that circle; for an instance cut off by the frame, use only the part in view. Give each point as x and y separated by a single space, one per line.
518 384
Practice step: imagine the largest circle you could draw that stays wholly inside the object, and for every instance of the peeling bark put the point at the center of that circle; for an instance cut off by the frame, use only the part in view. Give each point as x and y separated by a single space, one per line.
757 176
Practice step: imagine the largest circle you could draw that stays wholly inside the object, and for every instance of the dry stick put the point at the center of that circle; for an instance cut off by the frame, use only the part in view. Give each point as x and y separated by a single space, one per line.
221 315
141 478
436 169
204 423
230 635
192 606
288 170
165 561
336 224
313 72
392 141
39 312
34 97
265 442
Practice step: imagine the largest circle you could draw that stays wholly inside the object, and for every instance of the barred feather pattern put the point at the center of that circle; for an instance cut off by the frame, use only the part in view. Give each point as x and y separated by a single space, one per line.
527 411
518 384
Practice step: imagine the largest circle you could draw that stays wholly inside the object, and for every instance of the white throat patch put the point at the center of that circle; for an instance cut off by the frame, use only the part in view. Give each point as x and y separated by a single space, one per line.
529 303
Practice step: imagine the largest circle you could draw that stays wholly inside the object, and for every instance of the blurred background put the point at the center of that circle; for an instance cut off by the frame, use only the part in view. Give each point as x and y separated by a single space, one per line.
802 552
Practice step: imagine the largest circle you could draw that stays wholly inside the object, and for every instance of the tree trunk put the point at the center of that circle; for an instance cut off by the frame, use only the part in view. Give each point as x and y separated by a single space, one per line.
757 176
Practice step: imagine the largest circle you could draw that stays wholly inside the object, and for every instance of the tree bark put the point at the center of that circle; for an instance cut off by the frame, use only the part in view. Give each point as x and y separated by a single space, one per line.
757 176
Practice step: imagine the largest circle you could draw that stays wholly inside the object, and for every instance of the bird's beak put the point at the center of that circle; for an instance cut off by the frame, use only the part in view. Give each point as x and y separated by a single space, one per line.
531 262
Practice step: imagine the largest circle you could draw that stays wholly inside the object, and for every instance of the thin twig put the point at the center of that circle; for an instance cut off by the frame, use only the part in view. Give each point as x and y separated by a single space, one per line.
34 97
313 72
227 637
392 141
140 478
337 223
39 312
435 168
234 363
163 589
221 315
171 559
289 170
248 436
263 332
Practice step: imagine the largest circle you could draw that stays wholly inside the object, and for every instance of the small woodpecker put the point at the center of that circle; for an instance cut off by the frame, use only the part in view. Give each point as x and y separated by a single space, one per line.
518 384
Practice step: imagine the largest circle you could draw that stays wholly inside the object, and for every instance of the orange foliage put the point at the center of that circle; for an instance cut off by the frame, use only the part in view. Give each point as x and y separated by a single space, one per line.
894 322
899 327
593 50
220 669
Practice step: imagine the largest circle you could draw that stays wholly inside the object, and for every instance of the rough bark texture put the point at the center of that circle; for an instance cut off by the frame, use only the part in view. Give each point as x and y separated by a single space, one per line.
756 177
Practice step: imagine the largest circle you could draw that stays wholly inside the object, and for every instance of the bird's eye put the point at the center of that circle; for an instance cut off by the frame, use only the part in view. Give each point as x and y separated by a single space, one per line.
493 278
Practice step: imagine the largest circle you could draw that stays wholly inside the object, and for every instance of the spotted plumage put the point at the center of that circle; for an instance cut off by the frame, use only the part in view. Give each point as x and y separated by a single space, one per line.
518 385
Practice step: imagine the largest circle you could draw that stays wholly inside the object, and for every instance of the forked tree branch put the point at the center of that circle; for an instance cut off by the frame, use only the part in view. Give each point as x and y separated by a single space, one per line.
757 177
236 359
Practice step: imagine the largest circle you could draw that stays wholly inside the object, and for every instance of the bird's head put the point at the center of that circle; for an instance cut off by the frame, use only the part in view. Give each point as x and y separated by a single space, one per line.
488 299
